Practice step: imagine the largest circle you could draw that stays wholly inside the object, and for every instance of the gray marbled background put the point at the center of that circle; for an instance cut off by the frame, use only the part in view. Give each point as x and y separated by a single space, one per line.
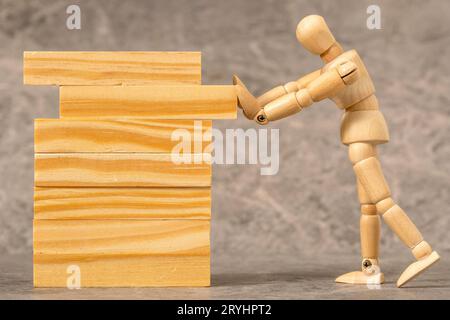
309 208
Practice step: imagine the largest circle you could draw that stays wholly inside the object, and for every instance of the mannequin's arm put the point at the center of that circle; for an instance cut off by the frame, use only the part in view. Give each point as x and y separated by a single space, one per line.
324 86
289 87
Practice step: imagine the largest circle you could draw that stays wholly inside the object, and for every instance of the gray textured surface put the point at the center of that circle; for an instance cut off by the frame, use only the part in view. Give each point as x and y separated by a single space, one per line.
310 208
274 277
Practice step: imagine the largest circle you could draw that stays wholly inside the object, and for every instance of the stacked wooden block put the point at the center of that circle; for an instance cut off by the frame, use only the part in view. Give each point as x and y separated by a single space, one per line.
109 199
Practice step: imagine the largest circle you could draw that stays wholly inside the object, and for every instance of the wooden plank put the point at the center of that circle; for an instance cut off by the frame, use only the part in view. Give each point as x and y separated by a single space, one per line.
151 102
153 136
122 253
119 170
122 203
52 271
111 68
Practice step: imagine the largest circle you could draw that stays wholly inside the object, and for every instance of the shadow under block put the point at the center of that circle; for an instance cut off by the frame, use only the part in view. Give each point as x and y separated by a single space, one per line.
122 203
106 136
151 102
120 170
122 253
111 68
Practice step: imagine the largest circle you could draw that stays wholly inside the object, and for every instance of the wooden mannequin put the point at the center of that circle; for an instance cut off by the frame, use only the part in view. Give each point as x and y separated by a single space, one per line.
345 80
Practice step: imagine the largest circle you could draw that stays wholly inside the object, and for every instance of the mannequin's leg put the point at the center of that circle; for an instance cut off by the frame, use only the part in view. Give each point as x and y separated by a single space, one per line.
369 173
370 239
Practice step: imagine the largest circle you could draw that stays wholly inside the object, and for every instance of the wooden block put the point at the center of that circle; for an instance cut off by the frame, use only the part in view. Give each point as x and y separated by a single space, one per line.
122 203
153 136
122 253
151 102
119 170
111 68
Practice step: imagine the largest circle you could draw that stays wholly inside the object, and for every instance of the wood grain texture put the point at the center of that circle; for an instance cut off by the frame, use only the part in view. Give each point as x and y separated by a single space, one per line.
111 68
370 229
402 226
313 33
151 102
364 126
122 203
422 250
122 253
360 277
370 175
153 136
416 268
361 89
119 170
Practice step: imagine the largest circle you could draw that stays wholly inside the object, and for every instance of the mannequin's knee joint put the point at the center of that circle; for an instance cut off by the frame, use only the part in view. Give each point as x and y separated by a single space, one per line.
384 205
368 209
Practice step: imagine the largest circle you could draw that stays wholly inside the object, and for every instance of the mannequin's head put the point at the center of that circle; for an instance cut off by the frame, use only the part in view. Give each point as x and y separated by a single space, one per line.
314 34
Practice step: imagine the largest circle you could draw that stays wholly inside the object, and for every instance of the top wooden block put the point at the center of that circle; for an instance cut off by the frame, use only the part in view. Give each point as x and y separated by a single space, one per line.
111 68
148 102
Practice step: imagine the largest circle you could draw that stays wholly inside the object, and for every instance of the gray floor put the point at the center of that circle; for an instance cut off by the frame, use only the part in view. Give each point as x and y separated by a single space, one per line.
249 278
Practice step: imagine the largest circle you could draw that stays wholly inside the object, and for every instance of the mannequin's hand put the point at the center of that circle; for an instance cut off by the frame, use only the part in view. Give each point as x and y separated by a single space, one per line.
246 100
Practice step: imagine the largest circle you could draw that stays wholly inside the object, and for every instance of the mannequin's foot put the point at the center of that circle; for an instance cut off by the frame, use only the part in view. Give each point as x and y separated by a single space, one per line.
360 277
416 268
370 274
